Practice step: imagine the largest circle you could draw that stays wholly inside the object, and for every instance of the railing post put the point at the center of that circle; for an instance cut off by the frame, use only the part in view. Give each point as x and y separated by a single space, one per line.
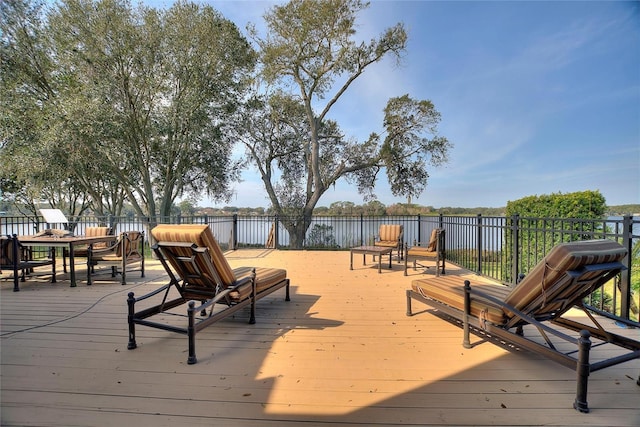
625 275
479 244
361 229
15 254
234 232
419 228
515 244
441 226
276 234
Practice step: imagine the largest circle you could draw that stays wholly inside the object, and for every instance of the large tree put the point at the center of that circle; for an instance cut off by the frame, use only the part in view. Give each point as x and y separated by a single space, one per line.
309 59
157 85
124 101
35 168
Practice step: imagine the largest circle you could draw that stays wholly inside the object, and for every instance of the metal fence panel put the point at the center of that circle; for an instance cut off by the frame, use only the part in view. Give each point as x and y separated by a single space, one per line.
501 248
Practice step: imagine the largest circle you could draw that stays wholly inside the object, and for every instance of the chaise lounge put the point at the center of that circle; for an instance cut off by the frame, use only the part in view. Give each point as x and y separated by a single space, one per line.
568 274
199 272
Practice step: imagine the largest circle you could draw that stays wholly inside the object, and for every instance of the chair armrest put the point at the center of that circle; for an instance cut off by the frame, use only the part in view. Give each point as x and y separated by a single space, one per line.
101 251
154 292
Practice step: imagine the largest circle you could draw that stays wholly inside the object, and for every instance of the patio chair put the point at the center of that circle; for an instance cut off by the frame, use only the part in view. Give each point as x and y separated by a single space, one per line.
568 274
434 251
19 260
390 236
82 251
198 271
128 250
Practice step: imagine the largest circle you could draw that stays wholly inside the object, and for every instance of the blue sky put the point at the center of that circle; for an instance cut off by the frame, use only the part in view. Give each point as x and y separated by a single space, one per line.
537 97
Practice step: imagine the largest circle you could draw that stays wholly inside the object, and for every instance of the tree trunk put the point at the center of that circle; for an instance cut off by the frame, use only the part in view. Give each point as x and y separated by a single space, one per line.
297 229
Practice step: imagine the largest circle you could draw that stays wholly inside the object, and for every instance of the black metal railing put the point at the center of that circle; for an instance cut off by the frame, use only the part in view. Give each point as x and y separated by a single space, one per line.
501 248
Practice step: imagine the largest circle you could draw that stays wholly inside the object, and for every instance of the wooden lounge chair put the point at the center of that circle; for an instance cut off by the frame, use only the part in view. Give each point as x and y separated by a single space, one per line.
198 271
390 236
434 250
19 260
569 273
127 251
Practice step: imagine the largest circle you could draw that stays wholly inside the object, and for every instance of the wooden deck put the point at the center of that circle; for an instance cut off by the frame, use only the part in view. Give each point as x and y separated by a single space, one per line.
341 352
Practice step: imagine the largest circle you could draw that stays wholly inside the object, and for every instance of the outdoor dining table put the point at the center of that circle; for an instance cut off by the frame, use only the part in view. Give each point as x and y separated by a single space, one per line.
62 242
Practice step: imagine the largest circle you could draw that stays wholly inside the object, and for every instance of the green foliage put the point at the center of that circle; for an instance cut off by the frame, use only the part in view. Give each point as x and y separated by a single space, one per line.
602 300
621 210
635 267
584 205
485 211
140 92
540 218
321 236
187 208
406 150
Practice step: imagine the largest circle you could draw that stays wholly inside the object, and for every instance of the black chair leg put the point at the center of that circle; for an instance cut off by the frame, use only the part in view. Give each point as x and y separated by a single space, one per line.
191 333
131 301
582 371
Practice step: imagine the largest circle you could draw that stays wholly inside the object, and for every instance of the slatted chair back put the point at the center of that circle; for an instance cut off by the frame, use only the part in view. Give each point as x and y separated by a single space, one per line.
193 265
568 274
391 232
436 240
98 232
433 240
202 237
81 251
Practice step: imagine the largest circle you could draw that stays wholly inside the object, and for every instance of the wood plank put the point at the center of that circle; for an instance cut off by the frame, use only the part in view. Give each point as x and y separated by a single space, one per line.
342 352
